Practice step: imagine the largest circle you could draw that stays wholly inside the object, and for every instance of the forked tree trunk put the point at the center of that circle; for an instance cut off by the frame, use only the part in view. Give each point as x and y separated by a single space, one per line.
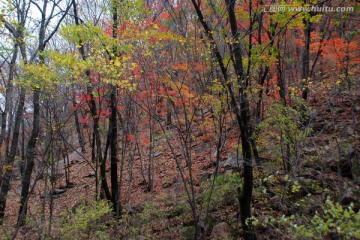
10 156
30 152
243 115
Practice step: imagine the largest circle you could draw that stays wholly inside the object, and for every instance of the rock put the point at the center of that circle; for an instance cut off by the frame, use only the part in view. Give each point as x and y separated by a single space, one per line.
70 185
157 153
133 209
75 206
205 177
90 175
53 175
74 157
310 173
338 110
350 164
348 197
185 233
310 150
347 164
234 215
56 193
221 231
275 203
303 187
232 162
74 161
350 130
209 165
202 149
355 166
169 183
283 179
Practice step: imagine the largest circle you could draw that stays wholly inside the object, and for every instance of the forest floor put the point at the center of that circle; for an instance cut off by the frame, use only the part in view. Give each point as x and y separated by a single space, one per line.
323 170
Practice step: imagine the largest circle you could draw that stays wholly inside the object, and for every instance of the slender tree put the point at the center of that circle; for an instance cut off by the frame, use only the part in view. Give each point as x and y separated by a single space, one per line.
43 39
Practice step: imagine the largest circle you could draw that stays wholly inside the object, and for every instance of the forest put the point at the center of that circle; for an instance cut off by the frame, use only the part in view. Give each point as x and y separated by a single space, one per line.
179 119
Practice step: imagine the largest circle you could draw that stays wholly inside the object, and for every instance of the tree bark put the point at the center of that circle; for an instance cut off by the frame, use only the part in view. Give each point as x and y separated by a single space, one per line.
30 151
240 106
113 154
8 103
29 156
78 126
93 111
306 60
10 156
243 116
9 160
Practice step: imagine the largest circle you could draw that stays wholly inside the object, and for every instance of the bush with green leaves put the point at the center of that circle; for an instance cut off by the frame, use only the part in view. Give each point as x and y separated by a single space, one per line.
282 134
87 222
225 190
333 222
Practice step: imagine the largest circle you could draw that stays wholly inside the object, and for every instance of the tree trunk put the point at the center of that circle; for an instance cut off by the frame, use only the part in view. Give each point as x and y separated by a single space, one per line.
29 156
8 103
281 79
9 160
243 115
113 130
113 154
241 111
79 128
306 60
94 115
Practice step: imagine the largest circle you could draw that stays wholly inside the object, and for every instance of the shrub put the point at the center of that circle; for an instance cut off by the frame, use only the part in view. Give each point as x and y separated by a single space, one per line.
87 222
283 134
332 222
226 190
335 222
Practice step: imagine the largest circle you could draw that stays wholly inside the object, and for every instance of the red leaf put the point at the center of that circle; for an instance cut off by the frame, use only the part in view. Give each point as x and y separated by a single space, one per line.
119 107
129 137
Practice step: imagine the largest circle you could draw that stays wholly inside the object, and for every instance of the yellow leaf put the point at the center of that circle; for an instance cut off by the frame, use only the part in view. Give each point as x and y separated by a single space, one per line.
117 63
7 167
